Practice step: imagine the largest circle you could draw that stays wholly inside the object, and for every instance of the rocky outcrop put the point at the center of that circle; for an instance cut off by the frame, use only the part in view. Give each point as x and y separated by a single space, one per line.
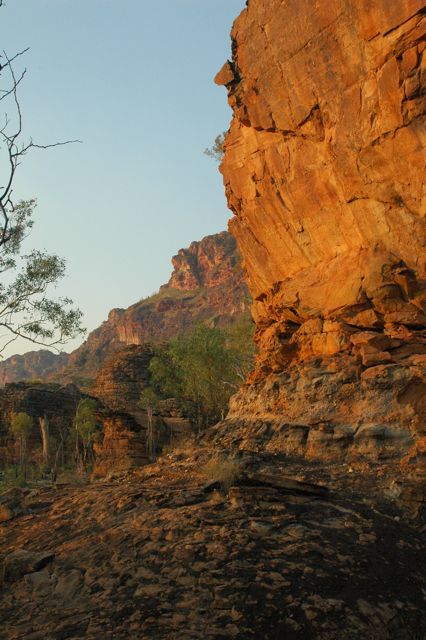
118 386
209 263
123 443
58 403
207 285
159 554
123 377
324 171
31 366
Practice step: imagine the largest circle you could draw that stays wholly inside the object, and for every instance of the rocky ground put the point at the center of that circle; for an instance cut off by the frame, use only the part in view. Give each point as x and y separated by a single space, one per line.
290 550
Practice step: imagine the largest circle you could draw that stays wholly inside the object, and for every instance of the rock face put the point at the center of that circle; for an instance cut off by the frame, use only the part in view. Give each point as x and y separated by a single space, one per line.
207 284
209 263
324 171
159 556
124 435
123 377
118 386
57 402
34 364
123 444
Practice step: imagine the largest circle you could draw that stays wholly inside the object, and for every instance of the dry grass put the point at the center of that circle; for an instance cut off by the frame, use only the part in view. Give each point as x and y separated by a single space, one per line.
223 470
185 446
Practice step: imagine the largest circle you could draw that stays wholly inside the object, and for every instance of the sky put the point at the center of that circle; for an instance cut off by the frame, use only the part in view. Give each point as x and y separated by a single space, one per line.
133 80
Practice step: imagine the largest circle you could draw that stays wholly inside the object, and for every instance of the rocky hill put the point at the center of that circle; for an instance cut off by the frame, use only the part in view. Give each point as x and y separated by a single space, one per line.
34 365
207 284
323 168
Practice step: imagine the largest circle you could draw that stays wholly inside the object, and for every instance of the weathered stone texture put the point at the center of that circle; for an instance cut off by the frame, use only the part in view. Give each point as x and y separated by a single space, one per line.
324 171
211 262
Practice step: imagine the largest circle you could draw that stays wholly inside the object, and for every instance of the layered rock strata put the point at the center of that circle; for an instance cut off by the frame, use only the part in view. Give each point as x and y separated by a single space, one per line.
118 386
324 171
123 444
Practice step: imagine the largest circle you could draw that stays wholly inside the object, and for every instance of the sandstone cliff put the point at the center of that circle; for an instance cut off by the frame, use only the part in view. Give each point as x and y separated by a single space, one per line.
207 284
123 442
324 171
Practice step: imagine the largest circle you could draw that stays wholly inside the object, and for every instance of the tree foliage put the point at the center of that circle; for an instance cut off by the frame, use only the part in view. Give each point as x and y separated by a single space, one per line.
88 430
21 424
149 399
85 419
26 311
216 151
204 367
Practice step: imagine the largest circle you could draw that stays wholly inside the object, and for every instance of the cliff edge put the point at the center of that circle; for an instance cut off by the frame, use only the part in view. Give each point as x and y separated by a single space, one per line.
324 171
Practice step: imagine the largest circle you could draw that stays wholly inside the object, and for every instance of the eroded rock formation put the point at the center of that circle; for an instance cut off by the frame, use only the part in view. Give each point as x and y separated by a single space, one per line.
57 402
324 171
123 443
158 556
207 284
209 263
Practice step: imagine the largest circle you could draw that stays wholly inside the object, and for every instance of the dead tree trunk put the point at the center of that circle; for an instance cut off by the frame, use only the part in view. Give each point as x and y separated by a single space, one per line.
150 434
44 428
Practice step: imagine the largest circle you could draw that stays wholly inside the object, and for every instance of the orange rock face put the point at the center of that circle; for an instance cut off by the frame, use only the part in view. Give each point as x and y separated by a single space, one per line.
324 171
211 262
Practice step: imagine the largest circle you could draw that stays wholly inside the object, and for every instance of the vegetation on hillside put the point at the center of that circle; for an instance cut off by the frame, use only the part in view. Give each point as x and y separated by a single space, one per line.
204 367
216 151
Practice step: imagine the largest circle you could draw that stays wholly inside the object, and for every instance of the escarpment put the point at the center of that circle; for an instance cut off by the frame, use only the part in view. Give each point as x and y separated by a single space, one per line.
207 285
324 171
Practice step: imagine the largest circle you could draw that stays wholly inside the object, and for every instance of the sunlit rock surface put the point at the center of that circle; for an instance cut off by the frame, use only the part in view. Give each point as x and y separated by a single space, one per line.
324 171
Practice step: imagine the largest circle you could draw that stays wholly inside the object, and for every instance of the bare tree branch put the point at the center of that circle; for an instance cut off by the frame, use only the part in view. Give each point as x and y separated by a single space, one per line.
25 311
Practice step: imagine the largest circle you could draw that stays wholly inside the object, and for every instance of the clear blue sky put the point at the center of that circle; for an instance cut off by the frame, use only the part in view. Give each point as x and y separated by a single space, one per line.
133 79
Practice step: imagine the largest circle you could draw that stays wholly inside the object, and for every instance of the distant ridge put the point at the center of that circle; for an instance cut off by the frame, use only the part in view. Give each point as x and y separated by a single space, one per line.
206 285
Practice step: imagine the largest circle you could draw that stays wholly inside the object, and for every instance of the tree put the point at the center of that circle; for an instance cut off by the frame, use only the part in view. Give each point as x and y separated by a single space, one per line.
87 429
44 430
205 367
216 151
149 401
240 343
20 426
25 309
